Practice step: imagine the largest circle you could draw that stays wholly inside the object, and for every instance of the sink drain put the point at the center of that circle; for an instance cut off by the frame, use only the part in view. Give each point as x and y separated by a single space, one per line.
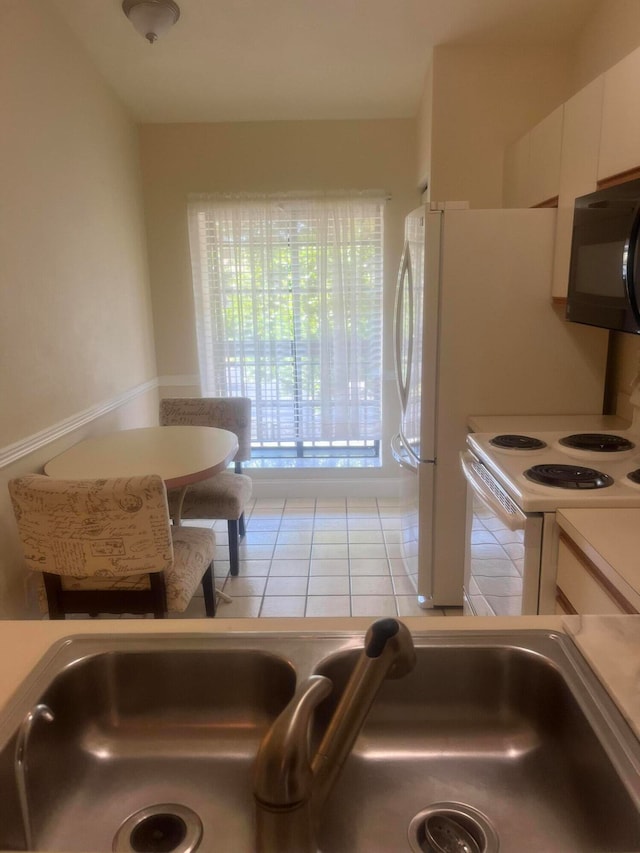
165 828
470 821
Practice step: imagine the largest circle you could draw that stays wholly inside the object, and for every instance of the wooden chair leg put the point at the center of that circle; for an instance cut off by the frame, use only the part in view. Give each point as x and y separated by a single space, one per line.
208 588
234 556
158 594
53 588
242 526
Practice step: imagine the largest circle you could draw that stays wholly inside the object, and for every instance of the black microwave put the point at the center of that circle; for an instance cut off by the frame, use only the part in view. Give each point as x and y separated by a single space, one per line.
604 275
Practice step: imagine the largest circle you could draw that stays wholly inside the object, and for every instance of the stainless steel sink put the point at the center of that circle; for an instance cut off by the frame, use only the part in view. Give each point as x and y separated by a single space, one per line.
140 723
512 732
515 729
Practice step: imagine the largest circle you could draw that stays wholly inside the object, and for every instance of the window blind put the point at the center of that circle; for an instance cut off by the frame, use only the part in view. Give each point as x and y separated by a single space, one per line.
288 297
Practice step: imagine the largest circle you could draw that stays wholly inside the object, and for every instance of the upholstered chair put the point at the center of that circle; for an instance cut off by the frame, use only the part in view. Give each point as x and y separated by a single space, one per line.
108 546
226 494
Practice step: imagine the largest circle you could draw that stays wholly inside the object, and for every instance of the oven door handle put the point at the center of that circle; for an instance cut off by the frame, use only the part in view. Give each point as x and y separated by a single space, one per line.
489 492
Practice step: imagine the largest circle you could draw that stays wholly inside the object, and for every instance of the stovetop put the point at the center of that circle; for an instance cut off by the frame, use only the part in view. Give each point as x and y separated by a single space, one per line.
598 477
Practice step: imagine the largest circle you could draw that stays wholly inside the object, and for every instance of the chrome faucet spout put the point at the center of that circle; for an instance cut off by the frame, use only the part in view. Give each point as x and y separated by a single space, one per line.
388 653
289 789
283 776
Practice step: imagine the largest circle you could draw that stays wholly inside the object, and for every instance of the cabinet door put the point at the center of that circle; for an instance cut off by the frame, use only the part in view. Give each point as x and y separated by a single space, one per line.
585 589
578 170
544 158
516 173
532 164
620 139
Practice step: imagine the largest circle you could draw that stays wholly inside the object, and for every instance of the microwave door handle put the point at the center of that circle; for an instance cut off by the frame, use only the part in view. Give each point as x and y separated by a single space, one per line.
629 272
404 294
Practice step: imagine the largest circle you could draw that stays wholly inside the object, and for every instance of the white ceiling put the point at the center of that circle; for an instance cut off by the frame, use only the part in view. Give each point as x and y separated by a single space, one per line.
257 60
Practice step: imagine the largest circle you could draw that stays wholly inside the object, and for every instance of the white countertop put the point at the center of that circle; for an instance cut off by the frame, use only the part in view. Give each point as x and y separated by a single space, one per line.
611 644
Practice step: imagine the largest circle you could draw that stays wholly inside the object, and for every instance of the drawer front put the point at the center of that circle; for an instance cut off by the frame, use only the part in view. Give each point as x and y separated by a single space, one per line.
582 585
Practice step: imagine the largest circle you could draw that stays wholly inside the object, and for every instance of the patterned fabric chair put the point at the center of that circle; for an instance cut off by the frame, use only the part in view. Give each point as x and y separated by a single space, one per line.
107 546
226 494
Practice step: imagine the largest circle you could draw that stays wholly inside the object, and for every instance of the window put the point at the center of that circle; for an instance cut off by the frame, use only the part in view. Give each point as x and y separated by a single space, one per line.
288 295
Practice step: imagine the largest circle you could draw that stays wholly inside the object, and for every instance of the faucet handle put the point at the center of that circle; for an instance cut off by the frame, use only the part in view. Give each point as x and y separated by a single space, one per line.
283 776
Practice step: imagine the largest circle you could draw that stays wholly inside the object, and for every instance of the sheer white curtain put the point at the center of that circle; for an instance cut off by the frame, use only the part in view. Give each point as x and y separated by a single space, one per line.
288 296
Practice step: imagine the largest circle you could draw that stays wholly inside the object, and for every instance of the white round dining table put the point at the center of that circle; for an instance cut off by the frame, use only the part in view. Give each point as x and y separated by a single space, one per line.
181 455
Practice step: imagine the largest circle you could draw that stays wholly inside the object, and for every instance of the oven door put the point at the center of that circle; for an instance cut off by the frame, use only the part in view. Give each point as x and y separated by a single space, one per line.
502 550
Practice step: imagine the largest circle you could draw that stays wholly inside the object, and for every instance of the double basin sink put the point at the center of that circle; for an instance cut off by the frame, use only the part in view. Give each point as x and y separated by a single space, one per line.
509 732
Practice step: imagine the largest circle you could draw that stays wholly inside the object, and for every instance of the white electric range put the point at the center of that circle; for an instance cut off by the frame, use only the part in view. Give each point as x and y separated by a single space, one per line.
516 482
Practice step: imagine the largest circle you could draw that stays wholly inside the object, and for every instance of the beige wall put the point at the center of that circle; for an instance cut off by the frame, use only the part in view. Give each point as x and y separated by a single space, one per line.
609 34
482 99
75 318
423 133
624 370
263 157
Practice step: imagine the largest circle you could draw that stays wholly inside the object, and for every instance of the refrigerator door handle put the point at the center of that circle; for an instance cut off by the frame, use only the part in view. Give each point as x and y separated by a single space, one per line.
401 454
488 491
404 304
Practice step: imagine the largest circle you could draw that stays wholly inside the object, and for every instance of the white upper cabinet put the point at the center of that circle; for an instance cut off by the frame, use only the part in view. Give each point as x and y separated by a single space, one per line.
581 142
620 139
532 164
593 136
546 152
578 170
516 172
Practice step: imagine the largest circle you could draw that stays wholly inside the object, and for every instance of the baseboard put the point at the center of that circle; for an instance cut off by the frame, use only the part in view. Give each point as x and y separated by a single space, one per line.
325 487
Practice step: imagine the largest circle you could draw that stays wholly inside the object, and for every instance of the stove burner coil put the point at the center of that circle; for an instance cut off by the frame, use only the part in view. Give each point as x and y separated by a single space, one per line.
600 442
517 442
568 477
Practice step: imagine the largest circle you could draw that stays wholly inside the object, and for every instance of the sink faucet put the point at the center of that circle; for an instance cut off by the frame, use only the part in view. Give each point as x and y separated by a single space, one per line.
39 711
290 788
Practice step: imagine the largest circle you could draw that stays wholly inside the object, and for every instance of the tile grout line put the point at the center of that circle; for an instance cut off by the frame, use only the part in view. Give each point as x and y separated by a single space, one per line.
386 553
279 528
273 553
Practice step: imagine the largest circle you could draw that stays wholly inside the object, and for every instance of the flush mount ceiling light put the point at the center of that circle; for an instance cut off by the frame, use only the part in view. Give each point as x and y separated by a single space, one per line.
151 18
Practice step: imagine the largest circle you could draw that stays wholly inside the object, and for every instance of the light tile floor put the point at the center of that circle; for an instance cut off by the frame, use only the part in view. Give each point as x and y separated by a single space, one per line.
316 557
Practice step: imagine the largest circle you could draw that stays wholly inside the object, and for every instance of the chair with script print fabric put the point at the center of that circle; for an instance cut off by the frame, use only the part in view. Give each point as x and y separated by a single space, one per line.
108 546
225 495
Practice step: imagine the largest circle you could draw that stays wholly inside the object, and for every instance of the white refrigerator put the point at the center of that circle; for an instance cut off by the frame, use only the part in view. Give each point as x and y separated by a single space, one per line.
475 333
